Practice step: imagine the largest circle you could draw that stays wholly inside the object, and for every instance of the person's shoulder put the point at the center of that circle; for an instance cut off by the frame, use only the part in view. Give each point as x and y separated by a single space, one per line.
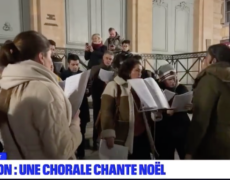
181 88
43 91
112 84
95 68
64 72
206 80
110 88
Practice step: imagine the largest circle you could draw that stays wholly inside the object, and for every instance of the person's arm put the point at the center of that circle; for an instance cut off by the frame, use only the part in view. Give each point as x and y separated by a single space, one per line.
205 98
108 106
87 55
59 139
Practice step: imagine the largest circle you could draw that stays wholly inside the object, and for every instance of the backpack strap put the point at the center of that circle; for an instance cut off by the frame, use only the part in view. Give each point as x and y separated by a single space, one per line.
5 95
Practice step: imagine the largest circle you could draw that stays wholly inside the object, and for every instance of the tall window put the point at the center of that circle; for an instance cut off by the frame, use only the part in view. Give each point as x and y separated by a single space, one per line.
227 11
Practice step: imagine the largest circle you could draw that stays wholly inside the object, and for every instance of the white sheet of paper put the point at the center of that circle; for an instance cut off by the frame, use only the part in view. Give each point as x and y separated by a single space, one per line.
75 88
180 101
157 93
72 84
143 93
168 94
117 152
106 76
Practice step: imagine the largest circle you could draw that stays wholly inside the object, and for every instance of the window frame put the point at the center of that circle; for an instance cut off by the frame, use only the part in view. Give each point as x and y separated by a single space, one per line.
226 12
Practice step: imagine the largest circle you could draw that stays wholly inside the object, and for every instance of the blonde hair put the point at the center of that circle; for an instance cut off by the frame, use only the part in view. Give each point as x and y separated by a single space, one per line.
96 34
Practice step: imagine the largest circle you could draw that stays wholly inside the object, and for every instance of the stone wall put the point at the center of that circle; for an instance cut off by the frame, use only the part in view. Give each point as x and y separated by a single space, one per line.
207 22
48 17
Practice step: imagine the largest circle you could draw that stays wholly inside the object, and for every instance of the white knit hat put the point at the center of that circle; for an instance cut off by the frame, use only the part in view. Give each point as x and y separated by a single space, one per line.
166 71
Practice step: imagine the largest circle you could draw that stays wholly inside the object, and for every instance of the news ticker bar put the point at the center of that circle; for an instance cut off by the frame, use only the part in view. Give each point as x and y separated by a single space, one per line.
101 169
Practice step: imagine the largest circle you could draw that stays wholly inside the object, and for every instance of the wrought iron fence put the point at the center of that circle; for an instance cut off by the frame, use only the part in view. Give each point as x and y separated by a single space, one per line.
187 65
63 53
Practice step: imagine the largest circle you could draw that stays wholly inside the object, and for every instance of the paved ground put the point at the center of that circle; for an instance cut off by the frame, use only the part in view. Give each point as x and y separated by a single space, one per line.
89 132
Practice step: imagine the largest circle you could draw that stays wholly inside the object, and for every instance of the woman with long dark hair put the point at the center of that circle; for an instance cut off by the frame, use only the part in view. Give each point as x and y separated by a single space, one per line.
129 129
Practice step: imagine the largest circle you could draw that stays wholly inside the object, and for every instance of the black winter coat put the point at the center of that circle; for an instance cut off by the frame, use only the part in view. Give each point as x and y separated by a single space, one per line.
176 125
95 57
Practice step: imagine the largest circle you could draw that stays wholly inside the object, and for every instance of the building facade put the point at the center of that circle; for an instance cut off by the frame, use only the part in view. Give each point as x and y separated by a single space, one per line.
153 26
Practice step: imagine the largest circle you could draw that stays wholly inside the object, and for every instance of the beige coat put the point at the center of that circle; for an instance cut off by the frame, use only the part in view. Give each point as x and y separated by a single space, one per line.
123 130
40 115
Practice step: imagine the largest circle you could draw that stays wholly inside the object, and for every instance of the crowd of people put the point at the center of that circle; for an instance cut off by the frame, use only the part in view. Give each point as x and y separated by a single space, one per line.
36 118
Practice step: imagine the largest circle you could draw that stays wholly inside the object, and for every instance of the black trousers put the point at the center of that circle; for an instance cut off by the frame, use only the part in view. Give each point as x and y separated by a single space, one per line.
96 109
141 148
167 145
81 149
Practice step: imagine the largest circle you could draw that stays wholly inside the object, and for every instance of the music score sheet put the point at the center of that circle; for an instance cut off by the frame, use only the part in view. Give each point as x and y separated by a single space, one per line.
106 76
75 88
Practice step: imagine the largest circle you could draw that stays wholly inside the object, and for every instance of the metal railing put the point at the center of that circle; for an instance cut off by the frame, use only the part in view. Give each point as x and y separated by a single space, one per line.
62 53
187 65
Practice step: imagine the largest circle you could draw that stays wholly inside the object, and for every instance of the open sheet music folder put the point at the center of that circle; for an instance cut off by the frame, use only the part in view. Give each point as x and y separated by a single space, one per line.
150 94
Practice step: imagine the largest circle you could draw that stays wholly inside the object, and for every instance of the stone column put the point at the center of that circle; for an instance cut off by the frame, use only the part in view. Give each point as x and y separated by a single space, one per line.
207 23
139 25
48 17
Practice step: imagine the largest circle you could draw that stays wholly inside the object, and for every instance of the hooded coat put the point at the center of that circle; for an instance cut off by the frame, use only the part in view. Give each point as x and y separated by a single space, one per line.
40 115
209 134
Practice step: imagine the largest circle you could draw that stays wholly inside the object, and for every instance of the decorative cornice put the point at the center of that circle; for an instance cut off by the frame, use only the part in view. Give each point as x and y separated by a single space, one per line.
182 6
160 3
